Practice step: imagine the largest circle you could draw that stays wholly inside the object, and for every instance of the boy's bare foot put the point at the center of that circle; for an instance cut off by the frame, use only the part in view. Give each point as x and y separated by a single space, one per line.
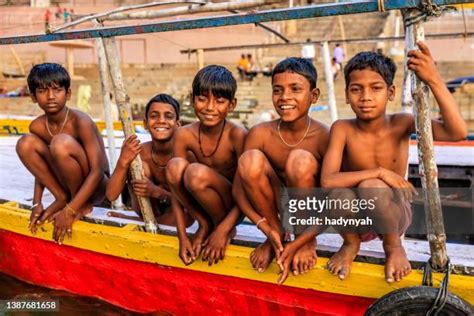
215 245
262 256
305 258
397 265
200 236
340 263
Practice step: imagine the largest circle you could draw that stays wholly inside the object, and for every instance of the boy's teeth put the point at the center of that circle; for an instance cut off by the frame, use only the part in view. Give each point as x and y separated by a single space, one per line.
286 107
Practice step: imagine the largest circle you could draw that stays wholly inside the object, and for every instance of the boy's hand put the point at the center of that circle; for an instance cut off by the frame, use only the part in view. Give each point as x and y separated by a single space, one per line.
143 187
215 245
284 262
35 215
130 149
186 252
422 63
403 188
63 221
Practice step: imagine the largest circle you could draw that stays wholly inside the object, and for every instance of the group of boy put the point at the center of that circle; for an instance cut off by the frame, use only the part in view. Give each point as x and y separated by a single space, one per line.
215 172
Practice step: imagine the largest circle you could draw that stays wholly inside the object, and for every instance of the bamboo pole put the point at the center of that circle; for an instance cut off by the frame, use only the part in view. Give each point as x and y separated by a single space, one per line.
329 80
106 98
427 166
123 103
17 59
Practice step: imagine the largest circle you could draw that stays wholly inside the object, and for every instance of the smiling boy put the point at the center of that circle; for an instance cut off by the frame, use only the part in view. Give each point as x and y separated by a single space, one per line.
161 120
64 151
204 188
370 152
284 152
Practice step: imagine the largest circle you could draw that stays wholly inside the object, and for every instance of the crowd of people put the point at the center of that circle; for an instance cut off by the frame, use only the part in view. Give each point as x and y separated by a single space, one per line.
248 69
215 172
61 15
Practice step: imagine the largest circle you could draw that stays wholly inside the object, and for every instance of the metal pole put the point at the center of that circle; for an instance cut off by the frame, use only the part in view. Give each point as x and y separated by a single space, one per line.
329 81
123 103
106 98
427 166
303 12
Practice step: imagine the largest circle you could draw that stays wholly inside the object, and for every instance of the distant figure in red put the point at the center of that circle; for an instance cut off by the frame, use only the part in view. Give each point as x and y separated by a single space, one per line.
47 18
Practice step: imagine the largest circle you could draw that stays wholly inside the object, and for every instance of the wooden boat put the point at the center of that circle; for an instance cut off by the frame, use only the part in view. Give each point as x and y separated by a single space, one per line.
123 265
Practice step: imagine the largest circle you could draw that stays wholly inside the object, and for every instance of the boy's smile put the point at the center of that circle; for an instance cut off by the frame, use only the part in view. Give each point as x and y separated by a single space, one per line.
212 110
161 121
368 94
292 95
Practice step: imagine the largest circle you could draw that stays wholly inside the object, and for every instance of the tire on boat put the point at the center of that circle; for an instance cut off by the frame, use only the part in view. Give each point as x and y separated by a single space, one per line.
417 300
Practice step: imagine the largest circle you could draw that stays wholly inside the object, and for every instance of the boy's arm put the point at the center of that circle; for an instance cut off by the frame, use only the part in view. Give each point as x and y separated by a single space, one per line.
180 144
452 127
130 149
238 139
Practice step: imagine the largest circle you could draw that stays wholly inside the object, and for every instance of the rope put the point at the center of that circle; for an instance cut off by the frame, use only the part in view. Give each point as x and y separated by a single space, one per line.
442 295
381 5
427 10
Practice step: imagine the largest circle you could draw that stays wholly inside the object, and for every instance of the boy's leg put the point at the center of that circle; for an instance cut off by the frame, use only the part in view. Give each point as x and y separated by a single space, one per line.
214 193
301 171
261 187
175 171
390 220
340 263
72 167
36 156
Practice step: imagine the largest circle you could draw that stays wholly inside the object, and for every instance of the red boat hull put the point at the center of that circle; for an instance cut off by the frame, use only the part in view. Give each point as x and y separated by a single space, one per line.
146 287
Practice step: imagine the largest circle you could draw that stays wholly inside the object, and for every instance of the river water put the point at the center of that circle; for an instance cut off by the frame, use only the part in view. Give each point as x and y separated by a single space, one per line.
69 304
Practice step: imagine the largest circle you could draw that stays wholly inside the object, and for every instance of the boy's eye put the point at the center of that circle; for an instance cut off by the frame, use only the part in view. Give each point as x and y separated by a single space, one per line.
169 115
221 100
354 89
276 90
377 88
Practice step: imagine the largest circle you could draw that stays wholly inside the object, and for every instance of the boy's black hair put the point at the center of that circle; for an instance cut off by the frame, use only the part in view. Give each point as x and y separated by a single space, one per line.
163 98
215 79
374 61
300 66
46 75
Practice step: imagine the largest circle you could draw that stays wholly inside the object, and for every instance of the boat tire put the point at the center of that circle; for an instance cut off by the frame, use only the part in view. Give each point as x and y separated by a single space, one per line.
416 301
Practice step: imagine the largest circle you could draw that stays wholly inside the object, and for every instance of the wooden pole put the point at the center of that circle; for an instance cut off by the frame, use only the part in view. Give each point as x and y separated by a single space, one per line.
200 58
123 103
329 80
427 166
106 98
17 59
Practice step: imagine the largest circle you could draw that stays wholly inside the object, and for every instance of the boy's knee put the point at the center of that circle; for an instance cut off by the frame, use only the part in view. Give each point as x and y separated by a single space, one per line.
175 170
372 184
251 165
373 187
341 194
196 177
301 165
62 145
26 144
